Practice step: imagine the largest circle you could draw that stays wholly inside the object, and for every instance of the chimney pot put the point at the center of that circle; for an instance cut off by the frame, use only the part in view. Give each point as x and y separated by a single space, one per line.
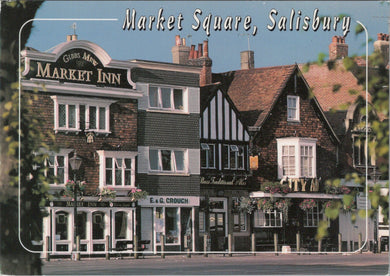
205 48
200 50
69 38
74 37
177 40
183 41
247 60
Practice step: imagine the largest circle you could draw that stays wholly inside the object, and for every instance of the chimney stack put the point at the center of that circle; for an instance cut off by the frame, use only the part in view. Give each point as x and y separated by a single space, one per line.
382 46
338 49
247 60
180 52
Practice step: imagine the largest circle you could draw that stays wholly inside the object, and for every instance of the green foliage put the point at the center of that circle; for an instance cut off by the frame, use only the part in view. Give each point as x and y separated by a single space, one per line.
321 58
336 87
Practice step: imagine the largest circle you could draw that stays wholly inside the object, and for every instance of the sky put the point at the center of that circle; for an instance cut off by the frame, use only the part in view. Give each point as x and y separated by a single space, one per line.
102 22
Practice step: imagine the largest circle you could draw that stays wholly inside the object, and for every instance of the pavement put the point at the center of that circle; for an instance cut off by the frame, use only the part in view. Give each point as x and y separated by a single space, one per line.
217 264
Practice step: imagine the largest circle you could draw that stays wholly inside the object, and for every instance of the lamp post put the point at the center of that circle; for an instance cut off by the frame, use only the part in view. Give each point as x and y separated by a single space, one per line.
75 163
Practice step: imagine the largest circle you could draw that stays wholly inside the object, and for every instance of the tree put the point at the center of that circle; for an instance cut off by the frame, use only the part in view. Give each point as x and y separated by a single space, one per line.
15 259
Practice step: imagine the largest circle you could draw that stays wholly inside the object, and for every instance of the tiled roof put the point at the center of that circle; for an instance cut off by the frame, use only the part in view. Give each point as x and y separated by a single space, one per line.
334 89
255 91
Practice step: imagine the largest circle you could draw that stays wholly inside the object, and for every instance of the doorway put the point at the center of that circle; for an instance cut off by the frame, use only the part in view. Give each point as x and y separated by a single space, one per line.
217 231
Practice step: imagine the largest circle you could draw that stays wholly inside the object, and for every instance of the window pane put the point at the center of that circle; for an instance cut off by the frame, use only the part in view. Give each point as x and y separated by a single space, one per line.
98 225
61 115
62 226
118 172
108 171
82 225
72 116
225 156
153 159
233 160
82 116
211 156
166 97
102 118
240 157
153 96
166 160
179 158
171 225
60 175
178 98
120 225
92 117
203 158
128 172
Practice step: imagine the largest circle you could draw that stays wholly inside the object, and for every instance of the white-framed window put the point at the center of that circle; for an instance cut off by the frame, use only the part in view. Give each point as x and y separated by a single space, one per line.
233 157
296 157
166 98
168 160
207 156
268 218
117 168
293 108
76 114
57 166
312 217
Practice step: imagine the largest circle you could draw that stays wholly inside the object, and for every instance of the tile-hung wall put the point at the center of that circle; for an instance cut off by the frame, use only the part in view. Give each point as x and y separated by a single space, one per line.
168 156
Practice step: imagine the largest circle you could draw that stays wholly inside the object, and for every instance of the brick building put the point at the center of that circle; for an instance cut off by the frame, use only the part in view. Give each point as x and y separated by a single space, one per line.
88 103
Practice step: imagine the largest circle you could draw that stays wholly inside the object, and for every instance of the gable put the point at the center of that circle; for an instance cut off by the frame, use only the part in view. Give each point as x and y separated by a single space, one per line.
220 120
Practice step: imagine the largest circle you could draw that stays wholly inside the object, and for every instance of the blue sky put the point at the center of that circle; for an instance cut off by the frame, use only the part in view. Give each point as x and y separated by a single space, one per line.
271 47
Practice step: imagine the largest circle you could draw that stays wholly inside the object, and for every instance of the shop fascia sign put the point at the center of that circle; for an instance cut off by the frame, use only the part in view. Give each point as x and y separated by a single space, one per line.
78 66
169 201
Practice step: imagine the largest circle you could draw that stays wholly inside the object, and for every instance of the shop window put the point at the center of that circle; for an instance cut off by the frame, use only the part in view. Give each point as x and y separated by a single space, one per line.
296 157
62 226
82 225
75 114
120 225
172 225
165 160
233 157
312 217
202 222
98 225
166 98
117 168
240 222
207 156
267 218
292 108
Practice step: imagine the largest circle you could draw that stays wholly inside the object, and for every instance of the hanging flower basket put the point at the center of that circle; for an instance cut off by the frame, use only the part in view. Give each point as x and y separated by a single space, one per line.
246 205
283 205
137 194
106 193
70 185
307 204
265 204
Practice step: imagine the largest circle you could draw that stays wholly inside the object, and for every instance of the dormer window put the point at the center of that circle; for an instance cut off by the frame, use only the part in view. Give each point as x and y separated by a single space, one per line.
293 108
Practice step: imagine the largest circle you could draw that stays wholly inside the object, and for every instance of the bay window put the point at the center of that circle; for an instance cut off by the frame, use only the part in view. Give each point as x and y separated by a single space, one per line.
166 98
296 157
167 160
117 168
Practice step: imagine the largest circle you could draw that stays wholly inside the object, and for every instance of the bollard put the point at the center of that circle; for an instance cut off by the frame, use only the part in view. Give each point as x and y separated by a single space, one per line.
135 247
276 243
205 245
360 243
47 246
298 243
340 242
77 248
253 244
107 247
319 245
230 245
162 240
186 248
379 246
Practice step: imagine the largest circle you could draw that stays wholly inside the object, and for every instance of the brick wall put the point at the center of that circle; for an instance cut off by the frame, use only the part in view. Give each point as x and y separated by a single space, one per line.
311 125
123 136
172 185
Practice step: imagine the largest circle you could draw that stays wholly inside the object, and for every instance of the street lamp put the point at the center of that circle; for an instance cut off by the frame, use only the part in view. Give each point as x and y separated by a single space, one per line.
75 163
